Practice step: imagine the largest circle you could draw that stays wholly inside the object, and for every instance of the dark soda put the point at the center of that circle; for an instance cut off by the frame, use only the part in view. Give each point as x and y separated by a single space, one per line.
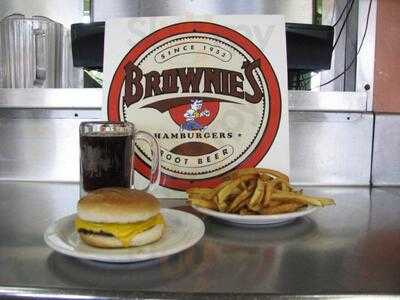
105 161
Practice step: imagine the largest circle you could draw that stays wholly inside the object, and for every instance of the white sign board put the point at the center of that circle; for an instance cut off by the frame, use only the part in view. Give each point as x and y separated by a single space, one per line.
212 90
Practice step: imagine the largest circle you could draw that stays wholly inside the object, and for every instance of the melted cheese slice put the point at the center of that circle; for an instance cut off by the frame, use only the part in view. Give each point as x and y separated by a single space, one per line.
124 232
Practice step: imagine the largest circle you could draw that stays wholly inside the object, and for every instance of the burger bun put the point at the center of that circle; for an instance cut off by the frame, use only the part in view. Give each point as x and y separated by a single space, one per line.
118 205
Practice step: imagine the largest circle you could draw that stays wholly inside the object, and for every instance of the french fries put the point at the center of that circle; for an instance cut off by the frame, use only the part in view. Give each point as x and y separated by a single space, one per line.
281 208
239 201
203 203
256 171
306 200
254 191
204 193
255 202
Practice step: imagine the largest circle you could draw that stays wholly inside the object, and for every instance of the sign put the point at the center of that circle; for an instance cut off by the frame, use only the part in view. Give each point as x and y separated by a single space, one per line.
213 92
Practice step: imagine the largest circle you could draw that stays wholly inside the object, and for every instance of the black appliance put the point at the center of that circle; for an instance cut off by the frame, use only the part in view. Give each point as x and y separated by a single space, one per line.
309 47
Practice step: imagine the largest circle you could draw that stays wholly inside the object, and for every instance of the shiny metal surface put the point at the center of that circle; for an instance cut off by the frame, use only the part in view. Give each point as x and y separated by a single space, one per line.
40 127
39 149
349 249
65 12
92 99
297 11
344 50
326 148
328 101
351 49
365 69
36 53
51 98
331 10
362 72
102 10
43 113
386 158
56 293
330 148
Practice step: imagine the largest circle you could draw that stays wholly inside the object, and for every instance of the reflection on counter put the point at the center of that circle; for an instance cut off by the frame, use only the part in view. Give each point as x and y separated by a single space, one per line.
150 274
349 248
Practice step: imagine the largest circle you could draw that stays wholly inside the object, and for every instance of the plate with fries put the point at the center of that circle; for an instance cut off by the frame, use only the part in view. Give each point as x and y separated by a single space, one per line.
278 219
255 196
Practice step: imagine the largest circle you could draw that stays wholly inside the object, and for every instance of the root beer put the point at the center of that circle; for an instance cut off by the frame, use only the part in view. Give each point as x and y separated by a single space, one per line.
105 160
140 85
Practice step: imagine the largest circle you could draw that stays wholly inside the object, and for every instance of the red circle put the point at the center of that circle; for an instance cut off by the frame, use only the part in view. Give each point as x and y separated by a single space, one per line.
271 129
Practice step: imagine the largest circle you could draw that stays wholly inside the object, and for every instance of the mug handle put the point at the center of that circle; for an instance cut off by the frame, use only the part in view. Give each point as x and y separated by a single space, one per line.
155 160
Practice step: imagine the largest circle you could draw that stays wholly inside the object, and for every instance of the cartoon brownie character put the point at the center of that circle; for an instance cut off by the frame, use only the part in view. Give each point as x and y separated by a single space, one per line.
193 113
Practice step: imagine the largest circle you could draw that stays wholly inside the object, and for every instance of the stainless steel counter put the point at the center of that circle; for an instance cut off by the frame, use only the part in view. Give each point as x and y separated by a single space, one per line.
350 249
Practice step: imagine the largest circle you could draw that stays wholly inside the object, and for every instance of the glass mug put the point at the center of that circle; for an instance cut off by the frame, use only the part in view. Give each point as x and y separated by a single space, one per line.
107 155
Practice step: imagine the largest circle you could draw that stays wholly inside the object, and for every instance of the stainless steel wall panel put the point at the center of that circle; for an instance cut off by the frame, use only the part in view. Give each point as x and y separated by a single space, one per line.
330 148
103 10
17 113
39 135
331 10
351 49
385 206
92 99
326 148
327 101
65 12
39 149
350 40
298 11
51 98
386 158
366 57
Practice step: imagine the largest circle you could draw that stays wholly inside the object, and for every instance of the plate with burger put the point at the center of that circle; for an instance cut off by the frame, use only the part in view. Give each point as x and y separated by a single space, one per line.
123 225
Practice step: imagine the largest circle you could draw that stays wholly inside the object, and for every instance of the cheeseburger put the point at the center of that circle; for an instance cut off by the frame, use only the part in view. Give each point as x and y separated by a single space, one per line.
119 217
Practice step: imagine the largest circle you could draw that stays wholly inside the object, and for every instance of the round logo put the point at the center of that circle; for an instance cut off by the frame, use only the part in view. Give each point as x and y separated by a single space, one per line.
207 94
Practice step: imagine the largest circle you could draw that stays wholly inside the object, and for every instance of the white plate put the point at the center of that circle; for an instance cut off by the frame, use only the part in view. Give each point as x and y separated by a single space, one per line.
182 231
256 220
